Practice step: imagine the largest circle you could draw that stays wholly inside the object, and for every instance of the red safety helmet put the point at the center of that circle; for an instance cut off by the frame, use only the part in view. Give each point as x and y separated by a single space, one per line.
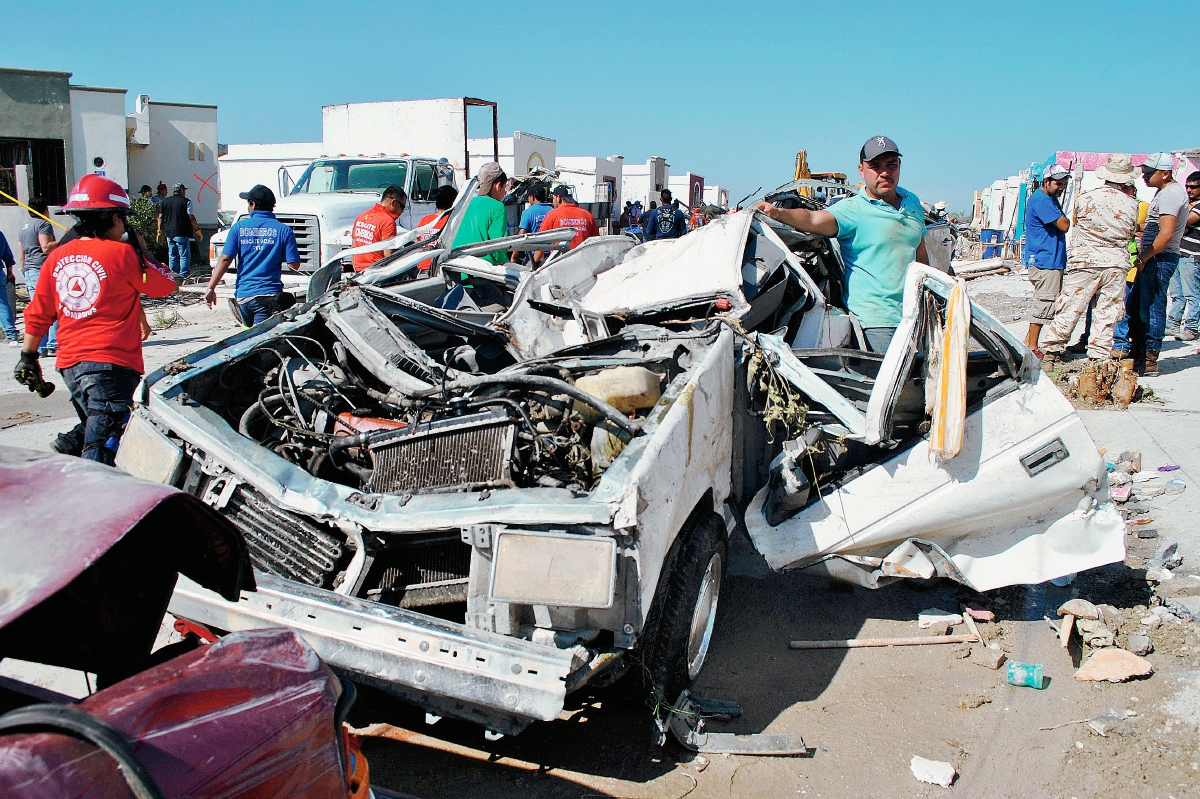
97 193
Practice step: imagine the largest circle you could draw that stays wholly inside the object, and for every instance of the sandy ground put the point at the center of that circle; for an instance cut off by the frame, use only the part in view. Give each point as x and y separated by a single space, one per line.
862 713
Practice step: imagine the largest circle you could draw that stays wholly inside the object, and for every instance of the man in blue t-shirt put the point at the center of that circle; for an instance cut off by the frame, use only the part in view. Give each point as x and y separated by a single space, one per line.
1045 249
531 219
666 221
880 232
262 245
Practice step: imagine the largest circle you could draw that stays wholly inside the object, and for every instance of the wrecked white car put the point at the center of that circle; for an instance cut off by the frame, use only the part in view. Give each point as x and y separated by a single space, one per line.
487 488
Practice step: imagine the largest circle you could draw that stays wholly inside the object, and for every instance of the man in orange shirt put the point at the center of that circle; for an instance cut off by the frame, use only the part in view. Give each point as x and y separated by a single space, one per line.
567 213
443 201
378 223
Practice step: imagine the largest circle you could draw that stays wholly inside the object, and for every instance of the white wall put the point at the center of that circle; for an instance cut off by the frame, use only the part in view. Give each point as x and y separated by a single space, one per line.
245 165
183 144
586 175
428 128
716 195
643 181
518 153
98 131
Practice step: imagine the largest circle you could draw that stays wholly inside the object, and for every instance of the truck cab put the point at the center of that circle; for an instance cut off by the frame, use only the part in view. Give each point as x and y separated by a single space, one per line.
324 201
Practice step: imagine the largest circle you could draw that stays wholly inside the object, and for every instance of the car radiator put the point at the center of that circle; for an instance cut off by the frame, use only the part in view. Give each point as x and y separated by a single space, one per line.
460 453
282 543
421 572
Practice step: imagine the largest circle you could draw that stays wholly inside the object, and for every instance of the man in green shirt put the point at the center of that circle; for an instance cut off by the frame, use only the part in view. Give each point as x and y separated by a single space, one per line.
485 218
880 232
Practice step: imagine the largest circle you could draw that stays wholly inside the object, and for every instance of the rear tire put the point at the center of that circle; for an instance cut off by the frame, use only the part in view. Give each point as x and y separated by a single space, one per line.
680 626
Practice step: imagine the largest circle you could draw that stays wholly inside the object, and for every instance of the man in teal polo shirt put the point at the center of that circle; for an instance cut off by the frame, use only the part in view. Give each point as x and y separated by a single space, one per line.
880 231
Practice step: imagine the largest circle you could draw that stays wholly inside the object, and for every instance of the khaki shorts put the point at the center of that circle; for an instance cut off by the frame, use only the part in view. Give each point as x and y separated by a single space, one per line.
1047 285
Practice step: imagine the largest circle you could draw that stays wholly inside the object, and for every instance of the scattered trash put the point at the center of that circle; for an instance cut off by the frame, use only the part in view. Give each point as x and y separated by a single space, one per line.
988 658
978 613
1174 487
1146 533
1080 609
1119 493
1139 644
1171 468
931 616
1113 665
1028 674
934 772
1112 722
972 701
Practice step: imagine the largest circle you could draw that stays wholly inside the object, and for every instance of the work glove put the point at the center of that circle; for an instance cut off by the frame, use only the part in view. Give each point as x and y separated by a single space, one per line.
28 371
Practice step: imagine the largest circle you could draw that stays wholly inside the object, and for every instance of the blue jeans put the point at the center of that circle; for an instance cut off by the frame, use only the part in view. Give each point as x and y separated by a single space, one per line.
878 338
261 307
1149 324
8 320
102 394
1121 331
1183 300
179 251
50 340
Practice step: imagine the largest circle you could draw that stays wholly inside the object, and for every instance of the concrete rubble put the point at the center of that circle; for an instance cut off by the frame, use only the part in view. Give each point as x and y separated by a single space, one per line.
934 772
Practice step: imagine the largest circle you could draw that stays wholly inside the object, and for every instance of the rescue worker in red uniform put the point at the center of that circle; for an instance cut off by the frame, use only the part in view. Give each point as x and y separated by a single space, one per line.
92 287
378 223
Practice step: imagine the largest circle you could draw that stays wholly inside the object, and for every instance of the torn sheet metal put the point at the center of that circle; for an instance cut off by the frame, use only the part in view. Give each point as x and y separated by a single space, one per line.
996 523
688 723
795 372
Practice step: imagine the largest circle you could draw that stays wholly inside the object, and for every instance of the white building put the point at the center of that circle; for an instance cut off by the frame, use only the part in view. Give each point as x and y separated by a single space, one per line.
52 133
519 153
592 179
688 188
644 181
716 195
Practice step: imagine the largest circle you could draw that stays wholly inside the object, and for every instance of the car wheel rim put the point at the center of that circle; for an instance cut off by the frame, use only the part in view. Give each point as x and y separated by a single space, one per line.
704 617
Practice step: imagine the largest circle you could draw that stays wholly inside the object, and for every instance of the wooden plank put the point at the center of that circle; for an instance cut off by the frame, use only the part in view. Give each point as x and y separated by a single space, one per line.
862 643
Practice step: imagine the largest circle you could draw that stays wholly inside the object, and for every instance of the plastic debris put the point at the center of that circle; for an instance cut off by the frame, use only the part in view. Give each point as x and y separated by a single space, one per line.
1111 722
1027 674
1119 493
1113 665
934 772
1171 468
1174 487
931 616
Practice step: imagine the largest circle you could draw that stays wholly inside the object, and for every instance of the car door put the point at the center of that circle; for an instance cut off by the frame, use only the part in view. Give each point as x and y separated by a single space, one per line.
422 193
1023 501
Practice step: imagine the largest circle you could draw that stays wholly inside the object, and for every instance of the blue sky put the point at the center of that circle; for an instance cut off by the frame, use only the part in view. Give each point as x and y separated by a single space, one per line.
727 90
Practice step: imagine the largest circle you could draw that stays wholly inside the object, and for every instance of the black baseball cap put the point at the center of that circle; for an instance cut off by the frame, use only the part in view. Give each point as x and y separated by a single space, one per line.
875 147
562 190
259 195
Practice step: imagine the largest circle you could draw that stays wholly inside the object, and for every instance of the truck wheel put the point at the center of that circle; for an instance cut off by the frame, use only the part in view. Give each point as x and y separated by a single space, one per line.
681 624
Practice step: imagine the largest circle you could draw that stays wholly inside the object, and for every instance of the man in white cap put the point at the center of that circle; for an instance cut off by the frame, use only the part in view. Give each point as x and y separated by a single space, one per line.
1105 219
1158 257
485 218
880 232
1045 249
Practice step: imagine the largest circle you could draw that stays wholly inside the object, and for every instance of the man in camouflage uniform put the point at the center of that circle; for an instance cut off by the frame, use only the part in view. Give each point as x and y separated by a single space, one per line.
1097 259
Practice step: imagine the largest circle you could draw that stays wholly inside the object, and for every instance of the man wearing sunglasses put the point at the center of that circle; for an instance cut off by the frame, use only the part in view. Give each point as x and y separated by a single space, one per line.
880 231
1158 257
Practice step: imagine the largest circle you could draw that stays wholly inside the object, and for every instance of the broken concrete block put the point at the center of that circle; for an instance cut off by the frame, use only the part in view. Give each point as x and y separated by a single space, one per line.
1094 633
1113 665
1119 493
1139 644
1152 621
934 772
979 614
931 616
1185 607
1166 557
989 658
1080 609
939 628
